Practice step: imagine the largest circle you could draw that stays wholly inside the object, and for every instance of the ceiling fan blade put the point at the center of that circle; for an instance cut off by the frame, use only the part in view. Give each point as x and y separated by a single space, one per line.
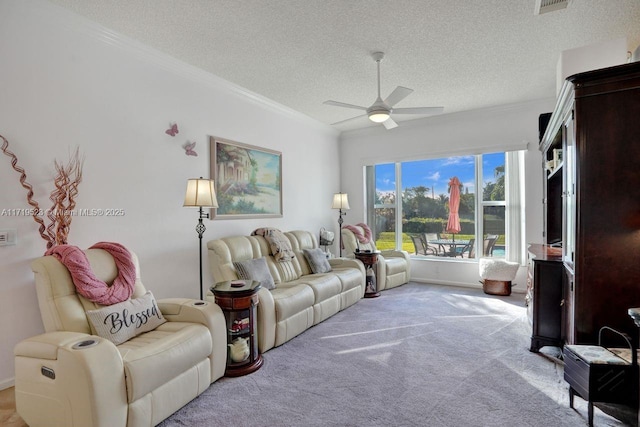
390 124
419 110
348 120
397 95
342 104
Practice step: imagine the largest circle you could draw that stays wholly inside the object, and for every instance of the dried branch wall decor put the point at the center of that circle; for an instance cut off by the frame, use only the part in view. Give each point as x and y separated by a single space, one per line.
63 197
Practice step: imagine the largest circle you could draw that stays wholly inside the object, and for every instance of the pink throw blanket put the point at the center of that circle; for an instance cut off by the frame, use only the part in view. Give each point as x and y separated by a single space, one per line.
362 238
87 284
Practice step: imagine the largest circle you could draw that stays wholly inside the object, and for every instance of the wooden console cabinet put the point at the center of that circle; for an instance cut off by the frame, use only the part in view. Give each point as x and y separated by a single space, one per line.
591 158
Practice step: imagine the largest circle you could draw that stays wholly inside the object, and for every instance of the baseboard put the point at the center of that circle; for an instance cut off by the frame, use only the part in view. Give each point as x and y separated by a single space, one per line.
514 290
7 383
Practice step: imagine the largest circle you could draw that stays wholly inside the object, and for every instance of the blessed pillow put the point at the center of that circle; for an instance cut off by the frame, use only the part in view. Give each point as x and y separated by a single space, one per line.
255 269
317 260
122 321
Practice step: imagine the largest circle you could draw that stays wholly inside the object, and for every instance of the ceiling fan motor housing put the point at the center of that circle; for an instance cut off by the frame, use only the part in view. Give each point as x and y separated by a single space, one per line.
379 111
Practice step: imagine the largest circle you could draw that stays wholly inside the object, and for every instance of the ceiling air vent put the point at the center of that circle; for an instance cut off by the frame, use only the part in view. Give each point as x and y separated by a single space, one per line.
544 6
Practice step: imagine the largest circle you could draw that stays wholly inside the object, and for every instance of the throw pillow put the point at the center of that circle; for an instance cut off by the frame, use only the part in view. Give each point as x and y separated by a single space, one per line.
317 260
122 321
255 269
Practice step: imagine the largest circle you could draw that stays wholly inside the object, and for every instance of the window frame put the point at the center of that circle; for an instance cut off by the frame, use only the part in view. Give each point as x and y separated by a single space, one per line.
512 178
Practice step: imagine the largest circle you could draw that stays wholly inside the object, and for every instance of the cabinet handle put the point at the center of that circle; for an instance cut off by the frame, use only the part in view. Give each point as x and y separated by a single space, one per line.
561 302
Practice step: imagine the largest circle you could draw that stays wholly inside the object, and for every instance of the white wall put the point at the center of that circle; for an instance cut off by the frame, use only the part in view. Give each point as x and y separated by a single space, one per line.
65 82
470 132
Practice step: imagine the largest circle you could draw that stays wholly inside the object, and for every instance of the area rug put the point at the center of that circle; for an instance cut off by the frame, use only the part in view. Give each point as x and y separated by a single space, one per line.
419 355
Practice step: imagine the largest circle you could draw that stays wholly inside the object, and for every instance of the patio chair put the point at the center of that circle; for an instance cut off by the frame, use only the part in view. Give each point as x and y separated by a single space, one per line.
470 249
428 237
421 247
418 246
489 243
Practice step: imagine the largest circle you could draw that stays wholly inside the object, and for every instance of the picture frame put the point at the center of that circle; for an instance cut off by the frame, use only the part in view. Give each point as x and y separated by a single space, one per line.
247 178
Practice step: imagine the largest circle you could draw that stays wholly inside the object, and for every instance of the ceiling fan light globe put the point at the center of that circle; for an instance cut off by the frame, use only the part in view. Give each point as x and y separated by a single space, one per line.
378 116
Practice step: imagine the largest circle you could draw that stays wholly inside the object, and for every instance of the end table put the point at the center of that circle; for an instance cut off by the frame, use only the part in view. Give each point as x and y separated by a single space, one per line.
369 259
238 300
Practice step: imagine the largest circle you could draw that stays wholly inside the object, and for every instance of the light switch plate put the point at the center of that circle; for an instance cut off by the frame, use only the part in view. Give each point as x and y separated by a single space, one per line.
8 236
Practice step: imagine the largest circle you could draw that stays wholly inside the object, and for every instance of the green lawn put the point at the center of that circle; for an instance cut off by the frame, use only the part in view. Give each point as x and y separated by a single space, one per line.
387 240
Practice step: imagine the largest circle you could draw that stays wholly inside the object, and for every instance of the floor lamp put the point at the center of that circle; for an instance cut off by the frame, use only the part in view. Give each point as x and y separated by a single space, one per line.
340 202
200 194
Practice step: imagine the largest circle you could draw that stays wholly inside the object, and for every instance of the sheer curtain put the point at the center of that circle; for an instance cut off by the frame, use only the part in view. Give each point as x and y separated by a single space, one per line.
514 168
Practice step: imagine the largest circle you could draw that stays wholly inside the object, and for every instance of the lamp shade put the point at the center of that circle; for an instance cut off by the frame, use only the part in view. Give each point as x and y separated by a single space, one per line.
200 194
340 201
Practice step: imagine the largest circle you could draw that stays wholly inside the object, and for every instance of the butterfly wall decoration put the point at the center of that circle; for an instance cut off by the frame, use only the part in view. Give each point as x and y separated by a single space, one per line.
189 148
173 130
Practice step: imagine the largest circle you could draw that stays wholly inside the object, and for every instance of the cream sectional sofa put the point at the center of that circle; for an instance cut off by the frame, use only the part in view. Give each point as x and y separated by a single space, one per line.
301 298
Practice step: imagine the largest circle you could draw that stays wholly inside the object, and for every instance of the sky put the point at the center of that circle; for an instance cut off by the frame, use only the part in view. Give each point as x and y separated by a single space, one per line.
436 173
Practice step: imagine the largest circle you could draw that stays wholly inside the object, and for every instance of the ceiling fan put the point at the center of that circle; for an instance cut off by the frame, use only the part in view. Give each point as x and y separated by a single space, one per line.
380 111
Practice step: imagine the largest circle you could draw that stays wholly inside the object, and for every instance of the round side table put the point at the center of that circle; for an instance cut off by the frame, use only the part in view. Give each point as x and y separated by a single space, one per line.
238 300
369 259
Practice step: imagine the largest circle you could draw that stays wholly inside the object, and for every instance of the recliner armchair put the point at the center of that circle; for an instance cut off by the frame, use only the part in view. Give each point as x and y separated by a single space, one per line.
393 267
70 377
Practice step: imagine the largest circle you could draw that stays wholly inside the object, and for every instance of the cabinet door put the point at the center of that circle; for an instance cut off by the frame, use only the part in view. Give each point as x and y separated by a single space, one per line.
569 192
568 328
547 310
552 190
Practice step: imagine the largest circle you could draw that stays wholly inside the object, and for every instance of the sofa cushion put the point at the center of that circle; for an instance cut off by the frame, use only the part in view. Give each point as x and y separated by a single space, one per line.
255 269
395 265
290 300
325 286
349 278
317 260
124 320
153 359
287 271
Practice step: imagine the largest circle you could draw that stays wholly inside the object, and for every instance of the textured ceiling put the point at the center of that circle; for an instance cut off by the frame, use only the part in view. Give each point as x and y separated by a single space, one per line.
459 54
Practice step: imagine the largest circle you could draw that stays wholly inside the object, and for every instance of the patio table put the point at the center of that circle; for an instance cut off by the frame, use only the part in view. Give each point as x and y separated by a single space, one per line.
452 245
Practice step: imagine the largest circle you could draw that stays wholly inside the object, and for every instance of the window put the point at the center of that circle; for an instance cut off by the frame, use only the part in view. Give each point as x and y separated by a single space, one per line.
410 206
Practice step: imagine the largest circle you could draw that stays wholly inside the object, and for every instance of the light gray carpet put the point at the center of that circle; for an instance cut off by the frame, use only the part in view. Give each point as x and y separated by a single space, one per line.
420 355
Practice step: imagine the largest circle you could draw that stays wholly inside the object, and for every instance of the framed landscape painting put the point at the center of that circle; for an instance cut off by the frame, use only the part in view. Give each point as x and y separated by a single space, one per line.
248 180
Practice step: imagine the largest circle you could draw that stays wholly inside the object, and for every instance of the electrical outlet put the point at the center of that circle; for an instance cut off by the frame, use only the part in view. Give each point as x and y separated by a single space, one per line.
8 237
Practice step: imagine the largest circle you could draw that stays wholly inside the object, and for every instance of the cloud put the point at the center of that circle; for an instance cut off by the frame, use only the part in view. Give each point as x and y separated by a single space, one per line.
459 160
434 176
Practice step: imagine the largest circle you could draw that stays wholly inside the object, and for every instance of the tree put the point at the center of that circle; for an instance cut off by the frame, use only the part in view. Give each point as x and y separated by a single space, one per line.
495 190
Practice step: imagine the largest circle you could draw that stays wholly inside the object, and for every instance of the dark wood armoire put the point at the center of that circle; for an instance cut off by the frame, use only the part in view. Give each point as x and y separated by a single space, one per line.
591 157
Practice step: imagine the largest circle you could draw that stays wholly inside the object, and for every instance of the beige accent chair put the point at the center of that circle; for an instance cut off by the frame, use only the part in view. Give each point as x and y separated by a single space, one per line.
393 268
70 377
